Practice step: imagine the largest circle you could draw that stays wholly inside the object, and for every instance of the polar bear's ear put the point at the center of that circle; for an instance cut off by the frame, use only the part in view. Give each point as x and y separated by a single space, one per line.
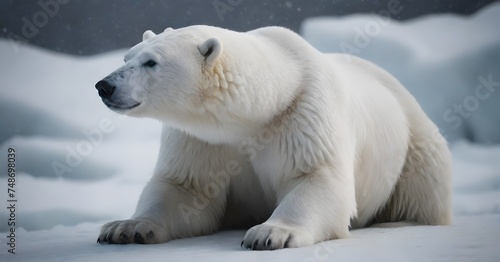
148 34
168 29
211 50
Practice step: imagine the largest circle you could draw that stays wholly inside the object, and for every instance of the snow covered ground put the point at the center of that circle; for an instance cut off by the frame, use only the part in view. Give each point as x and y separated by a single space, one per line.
51 114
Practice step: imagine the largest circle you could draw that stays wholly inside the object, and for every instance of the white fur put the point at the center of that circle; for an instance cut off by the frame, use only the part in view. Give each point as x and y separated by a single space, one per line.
260 127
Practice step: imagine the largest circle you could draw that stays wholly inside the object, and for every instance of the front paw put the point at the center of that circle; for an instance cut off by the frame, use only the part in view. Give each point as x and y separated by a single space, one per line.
140 231
269 236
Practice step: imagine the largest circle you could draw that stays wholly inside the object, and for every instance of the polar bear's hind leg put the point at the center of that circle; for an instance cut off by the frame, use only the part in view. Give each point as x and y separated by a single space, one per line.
423 192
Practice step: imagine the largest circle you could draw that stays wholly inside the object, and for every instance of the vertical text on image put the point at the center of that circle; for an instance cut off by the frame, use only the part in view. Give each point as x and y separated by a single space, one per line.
11 200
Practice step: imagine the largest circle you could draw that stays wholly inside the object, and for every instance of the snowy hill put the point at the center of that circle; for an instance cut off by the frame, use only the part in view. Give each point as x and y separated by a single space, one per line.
52 116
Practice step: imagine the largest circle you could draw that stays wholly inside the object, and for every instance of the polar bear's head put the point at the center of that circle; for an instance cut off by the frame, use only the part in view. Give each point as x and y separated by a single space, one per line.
161 76
184 78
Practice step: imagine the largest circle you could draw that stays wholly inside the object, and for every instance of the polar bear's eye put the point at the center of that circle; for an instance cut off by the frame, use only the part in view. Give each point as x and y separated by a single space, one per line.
149 63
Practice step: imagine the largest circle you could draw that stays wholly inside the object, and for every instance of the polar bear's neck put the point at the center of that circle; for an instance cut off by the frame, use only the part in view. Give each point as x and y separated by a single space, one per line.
251 87
239 103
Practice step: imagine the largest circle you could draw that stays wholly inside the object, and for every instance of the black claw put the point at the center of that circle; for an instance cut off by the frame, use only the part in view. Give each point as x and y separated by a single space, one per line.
138 238
255 244
242 241
268 242
287 242
98 241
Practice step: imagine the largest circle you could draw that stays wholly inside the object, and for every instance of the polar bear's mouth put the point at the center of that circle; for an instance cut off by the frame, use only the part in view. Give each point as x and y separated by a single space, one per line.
120 107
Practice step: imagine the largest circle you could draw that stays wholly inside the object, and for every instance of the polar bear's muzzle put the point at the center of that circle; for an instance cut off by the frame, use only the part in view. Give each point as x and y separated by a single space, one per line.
106 91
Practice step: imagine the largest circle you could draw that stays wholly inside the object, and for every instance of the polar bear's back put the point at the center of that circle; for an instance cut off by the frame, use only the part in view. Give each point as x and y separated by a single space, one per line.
286 40
373 73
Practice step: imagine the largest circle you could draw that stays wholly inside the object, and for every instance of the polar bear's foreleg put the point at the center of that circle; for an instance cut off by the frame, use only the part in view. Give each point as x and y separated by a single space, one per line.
318 207
186 197
166 211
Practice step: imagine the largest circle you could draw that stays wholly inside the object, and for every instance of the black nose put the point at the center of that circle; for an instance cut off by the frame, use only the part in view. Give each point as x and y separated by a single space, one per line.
105 89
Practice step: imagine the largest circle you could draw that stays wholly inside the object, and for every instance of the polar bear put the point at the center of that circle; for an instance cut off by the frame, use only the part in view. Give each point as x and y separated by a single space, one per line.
263 131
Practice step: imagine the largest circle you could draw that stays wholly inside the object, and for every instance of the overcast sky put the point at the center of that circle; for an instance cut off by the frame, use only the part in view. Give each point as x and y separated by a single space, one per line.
86 27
